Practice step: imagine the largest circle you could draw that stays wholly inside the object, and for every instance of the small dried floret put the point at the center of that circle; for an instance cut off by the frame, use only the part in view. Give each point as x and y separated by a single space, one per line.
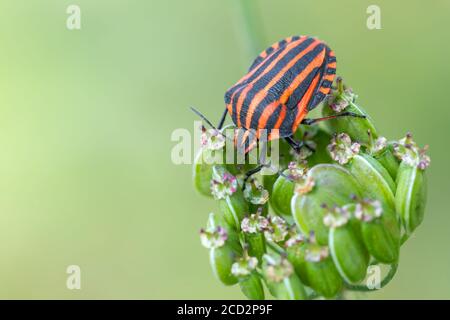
342 149
213 237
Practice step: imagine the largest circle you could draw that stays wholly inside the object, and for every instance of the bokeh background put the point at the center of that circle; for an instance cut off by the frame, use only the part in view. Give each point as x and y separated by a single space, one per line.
86 116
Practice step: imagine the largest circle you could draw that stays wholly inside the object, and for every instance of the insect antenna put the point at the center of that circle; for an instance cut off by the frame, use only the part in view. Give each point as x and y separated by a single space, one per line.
203 118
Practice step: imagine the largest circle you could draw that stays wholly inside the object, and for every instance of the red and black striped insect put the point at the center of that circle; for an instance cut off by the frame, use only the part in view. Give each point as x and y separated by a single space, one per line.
284 83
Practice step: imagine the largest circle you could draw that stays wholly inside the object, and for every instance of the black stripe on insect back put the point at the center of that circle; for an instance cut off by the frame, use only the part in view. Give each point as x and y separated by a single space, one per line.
236 87
266 78
299 92
326 84
275 92
318 96
275 55
257 72
267 61
274 117
238 91
269 50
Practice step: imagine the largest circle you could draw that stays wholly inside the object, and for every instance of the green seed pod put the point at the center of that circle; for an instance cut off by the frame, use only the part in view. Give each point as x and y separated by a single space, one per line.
212 153
411 196
389 162
281 280
253 229
283 189
383 152
321 272
380 230
224 187
256 244
341 100
331 185
234 208
221 260
252 287
349 254
224 248
295 249
313 265
374 179
269 181
245 270
289 288
202 173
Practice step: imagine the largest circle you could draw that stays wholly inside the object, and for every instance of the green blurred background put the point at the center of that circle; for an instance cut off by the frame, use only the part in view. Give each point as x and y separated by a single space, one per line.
86 116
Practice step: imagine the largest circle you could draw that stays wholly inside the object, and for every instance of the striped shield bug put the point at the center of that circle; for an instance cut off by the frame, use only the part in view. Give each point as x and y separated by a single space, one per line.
284 83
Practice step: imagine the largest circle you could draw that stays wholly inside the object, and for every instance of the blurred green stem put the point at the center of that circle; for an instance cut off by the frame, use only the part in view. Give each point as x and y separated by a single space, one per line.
275 248
251 29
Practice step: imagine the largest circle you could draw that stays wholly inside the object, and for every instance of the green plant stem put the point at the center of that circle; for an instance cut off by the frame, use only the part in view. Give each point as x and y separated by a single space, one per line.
275 247
251 29
383 283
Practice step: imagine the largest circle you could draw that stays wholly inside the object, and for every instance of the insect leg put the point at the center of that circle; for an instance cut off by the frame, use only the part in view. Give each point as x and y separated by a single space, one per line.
297 145
222 119
343 114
